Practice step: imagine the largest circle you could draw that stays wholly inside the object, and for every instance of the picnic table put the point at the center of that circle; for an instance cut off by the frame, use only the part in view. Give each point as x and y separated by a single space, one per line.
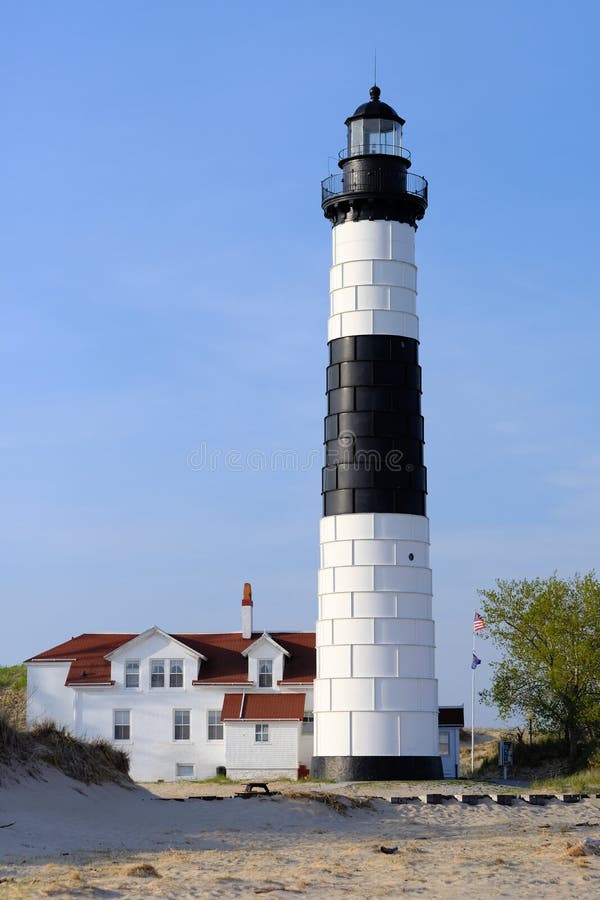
256 789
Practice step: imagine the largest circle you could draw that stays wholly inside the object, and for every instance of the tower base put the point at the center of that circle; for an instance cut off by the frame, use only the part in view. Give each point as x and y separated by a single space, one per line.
376 768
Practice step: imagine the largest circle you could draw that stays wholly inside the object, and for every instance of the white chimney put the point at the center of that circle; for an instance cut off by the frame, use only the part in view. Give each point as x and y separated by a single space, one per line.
247 611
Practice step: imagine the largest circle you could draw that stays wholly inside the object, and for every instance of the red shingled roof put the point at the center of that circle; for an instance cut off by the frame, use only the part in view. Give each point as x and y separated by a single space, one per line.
86 653
225 663
264 707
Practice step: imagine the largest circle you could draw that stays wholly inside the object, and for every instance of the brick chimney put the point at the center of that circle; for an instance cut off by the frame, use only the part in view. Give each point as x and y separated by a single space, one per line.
247 611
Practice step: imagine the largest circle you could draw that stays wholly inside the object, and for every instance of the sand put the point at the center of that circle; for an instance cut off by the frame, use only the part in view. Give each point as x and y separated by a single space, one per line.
72 840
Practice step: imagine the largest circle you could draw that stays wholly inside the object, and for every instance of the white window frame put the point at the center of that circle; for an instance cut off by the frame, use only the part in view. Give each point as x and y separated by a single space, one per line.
121 725
191 766
187 725
132 662
218 725
268 663
173 674
156 662
261 733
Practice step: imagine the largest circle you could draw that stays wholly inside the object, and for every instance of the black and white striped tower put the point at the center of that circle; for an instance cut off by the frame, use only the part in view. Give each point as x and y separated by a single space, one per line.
376 703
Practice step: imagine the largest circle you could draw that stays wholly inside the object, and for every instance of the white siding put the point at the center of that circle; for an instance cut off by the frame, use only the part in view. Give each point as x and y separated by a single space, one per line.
47 697
244 753
153 751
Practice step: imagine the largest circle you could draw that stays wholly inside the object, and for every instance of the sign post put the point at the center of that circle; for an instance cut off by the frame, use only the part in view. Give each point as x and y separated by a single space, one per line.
505 755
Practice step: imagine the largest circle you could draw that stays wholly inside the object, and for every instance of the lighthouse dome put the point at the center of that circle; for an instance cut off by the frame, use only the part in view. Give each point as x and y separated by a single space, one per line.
375 109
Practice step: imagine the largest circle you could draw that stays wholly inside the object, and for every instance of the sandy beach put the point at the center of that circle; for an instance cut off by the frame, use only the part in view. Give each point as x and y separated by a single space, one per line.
72 840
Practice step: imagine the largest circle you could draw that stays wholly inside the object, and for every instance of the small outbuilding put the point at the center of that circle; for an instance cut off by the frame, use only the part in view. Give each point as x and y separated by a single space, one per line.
450 721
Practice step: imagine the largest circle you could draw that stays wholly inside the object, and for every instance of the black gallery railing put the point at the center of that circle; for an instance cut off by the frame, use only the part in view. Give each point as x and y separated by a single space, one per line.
377 181
381 149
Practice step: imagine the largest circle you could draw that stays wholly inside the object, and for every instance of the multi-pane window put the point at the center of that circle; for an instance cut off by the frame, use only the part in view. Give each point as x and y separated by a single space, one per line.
132 673
215 726
265 673
157 673
308 725
181 724
444 743
176 673
122 724
261 733
158 667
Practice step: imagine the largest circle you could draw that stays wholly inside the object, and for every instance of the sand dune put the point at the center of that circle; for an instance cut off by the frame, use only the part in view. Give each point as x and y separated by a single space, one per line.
69 840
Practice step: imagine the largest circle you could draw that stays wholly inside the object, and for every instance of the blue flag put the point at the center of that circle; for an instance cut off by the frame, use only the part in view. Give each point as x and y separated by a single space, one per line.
476 662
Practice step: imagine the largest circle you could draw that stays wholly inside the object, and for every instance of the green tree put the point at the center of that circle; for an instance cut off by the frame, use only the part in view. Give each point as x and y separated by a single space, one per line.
548 633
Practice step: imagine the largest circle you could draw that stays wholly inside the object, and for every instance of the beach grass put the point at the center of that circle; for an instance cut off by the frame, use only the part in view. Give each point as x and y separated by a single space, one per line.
586 781
13 677
92 762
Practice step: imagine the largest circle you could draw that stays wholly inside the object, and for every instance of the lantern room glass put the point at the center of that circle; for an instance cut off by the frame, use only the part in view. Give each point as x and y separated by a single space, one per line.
374 136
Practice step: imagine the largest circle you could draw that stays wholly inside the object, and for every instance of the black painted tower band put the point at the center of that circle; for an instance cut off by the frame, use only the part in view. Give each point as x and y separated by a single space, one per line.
374 427
376 768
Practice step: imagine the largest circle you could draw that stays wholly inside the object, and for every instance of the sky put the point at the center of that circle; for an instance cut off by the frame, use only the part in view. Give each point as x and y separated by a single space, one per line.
164 296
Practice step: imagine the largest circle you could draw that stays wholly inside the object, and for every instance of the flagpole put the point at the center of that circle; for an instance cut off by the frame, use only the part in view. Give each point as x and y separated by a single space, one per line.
478 624
473 702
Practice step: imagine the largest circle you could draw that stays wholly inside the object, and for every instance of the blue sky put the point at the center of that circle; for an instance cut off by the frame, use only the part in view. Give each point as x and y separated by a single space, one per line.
163 289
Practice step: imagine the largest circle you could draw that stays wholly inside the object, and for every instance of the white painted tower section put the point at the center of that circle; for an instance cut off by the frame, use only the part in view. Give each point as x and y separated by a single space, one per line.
376 691
373 280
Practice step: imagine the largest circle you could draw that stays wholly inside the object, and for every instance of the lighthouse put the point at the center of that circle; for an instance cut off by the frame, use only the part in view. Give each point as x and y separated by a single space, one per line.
375 701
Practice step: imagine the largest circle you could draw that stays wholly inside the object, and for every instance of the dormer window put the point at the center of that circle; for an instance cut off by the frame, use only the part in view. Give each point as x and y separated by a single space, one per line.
157 673
132 673
265 673
176 673
265 661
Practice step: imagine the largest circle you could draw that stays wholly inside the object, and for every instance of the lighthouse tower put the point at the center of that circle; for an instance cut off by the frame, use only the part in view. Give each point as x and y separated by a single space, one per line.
376 704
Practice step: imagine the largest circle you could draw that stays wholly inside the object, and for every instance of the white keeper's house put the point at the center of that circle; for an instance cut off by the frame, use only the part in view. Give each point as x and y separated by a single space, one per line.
191 705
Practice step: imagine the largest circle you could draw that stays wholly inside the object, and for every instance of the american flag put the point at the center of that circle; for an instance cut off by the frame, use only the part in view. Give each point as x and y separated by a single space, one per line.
478 623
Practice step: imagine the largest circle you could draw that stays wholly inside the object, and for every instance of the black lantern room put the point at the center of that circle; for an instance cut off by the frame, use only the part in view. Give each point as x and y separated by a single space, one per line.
375 182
